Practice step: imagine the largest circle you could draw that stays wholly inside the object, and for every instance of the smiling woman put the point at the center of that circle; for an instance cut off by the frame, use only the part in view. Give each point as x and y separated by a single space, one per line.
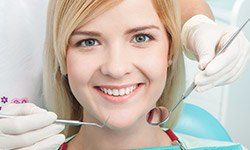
116 60
112 62
105 62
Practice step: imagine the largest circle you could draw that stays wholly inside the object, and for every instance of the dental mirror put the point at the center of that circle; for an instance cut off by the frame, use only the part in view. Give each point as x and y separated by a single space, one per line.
160 115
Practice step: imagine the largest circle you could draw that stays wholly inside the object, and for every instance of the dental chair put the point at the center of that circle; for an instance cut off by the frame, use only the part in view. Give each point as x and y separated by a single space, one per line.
197 122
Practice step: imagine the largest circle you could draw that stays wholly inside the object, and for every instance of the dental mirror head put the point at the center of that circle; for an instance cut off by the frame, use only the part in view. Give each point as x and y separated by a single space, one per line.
158 116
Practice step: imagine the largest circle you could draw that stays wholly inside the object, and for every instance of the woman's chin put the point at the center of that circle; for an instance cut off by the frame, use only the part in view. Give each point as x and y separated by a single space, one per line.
122 123
119 126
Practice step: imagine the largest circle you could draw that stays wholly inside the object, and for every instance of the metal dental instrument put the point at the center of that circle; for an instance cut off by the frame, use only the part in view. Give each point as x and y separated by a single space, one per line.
79 123
67 122
163 112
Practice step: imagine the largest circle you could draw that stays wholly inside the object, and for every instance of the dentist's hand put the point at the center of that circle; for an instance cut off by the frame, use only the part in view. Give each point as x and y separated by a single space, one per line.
202 38
32 129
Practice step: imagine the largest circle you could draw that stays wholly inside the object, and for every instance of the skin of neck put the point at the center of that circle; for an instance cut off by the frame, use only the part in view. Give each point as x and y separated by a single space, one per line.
139 135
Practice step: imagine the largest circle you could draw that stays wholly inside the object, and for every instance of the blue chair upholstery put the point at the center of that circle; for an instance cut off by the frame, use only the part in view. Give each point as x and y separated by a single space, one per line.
197 122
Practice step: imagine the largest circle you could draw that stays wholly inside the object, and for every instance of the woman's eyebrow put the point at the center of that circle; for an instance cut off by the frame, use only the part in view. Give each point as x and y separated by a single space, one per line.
140 28
132 30
87 33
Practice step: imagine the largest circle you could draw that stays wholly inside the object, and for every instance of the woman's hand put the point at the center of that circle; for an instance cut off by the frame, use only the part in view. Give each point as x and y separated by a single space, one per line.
31 128
202 38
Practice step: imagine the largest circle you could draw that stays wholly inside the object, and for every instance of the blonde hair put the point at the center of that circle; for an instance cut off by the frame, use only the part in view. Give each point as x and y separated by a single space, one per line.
65 16
168 13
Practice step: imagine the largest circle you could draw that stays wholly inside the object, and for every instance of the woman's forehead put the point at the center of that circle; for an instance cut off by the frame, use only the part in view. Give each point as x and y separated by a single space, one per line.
127 13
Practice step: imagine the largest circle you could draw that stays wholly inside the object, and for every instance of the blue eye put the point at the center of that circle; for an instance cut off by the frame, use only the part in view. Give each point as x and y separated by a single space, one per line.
87 43
141 38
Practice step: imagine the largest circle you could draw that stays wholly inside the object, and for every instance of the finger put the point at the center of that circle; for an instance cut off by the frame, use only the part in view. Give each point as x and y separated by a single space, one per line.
202 78
236 64
29 138
21 109
22 124
204 50
235 71
225 58
52 143
219 63
209 85
204 61
203 88
206 53
235 74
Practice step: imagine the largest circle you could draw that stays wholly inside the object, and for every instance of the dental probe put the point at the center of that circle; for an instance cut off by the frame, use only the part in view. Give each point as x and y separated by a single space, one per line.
67 122
192 86
79 123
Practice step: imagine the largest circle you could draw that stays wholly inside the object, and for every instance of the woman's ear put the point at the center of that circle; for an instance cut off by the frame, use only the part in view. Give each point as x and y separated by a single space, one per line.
170 54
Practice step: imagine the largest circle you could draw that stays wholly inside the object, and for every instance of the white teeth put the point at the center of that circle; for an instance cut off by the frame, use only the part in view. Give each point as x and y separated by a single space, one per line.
127 90
116 92
119 92
110 92
122 92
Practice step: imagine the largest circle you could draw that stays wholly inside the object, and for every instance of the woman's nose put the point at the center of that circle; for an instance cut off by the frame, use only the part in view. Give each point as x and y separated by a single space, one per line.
117 64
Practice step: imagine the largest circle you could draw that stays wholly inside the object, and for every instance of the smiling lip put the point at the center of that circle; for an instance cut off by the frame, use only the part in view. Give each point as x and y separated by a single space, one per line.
118 94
